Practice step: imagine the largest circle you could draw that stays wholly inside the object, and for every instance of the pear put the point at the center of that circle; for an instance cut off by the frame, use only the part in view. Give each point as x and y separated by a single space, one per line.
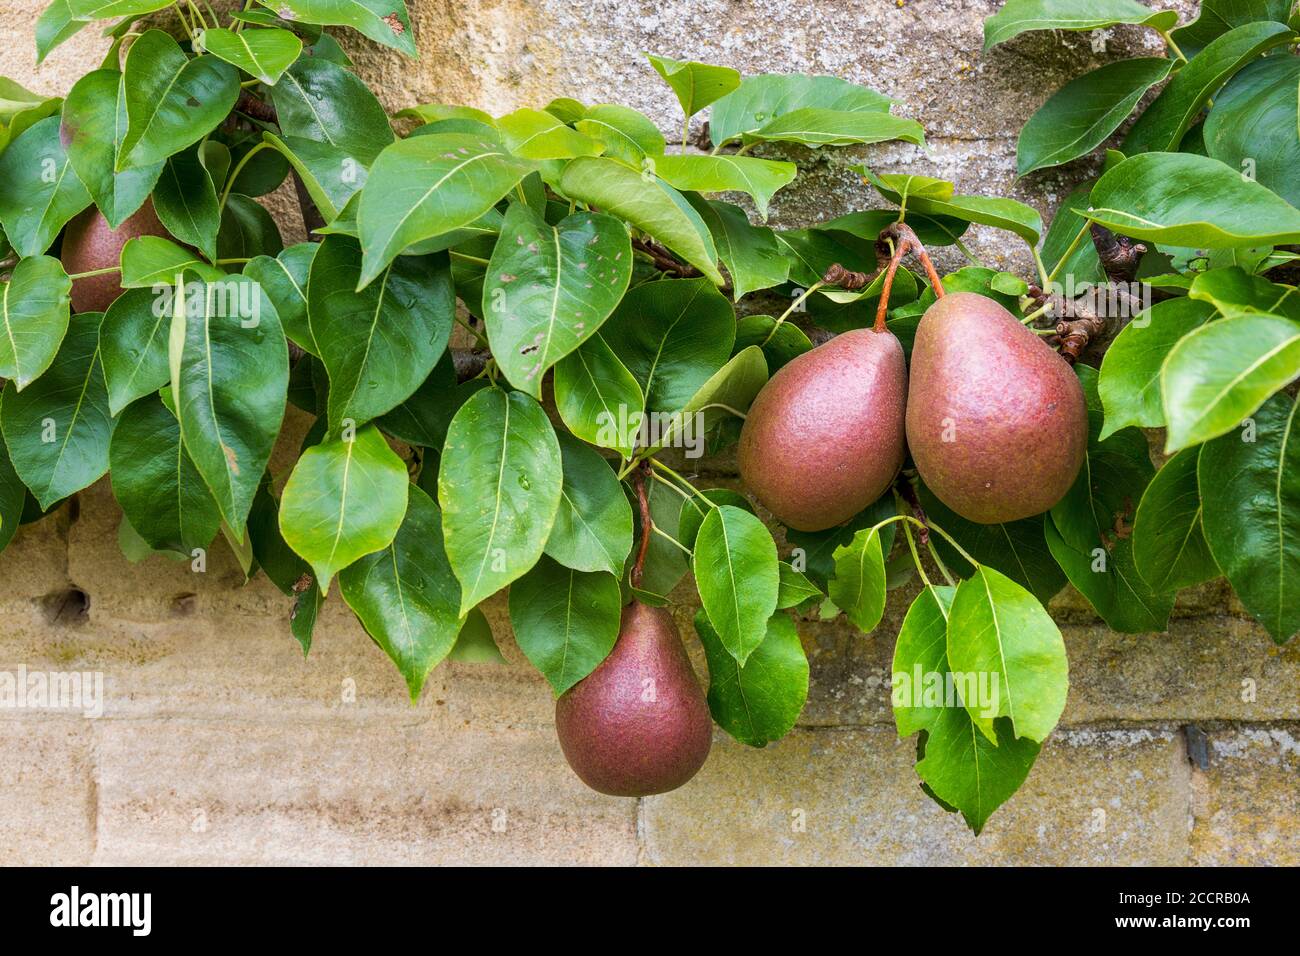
824 438
996 420
89 244
638 724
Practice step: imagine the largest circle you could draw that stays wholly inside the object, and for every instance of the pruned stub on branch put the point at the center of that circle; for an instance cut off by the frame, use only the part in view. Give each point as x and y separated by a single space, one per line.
1078 322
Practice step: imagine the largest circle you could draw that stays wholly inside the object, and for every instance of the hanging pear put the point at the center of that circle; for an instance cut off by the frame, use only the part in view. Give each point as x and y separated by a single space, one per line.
638 724
91 244
824 438
997 423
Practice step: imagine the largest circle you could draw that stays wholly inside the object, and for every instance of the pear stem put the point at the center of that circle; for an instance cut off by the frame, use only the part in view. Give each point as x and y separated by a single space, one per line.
904 241
647 525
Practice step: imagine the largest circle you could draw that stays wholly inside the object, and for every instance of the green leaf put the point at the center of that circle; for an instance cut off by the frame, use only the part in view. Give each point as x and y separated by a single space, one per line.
672 335
1084 531
474 644
171 100
1169 547
1017 548
726 395
1252 126
57 429
406 595
736 571
695 84
1187 200
1079 116
759 178
818 127
1161 126
384 21
229 374
344 500
760 700
1235 292
868 223
56 24
428 185
795 588
536 134
593 527
752 254
814 551
284 280
649 204
150 260
549 288
1220 373
598 398
39 192
696 508
566 109
1018 16
13 494
34 309
1252 514
107 9
160 491
921 648
247 230
423 418
94 122
262 54
1217 17
779 343
273 555
499 485
1083 267
565 621
1006 214
960 768
381 343
330 175
186 202
306 609
997 627
810 251
321 101
1129 383
133 344
21 109
858 587
628 136
763 99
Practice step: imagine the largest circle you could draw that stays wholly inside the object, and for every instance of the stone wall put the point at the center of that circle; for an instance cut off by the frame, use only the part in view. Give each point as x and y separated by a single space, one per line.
221 744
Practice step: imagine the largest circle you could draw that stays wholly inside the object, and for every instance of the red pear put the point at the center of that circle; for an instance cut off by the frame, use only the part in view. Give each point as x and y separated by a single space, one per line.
996 420
638 724
89 244
824 438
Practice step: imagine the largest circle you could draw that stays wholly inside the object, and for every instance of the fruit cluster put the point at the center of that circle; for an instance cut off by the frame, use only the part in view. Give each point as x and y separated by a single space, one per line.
154 327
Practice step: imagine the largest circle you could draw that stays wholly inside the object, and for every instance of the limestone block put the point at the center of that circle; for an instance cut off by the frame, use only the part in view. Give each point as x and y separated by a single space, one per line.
185 792
48 797
1094 797
1248 800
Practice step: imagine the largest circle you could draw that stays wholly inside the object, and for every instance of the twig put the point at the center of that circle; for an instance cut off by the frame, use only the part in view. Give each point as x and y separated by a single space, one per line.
664 260
647 525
